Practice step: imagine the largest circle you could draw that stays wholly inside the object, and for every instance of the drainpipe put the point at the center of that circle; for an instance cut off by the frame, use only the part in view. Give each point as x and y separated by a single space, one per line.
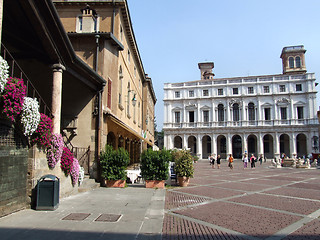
100 113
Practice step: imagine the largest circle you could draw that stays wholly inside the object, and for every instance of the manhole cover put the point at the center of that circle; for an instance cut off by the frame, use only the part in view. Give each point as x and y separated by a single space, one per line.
108 218
76 216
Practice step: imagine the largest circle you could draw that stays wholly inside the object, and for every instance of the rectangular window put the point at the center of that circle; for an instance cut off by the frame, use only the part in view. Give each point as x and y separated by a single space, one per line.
267 114
283 113
298 87
109 94
220 92
206 92
177 117
191 93
266 89
191 116
206 116
177 94
282 88
300 112
250 90
235 91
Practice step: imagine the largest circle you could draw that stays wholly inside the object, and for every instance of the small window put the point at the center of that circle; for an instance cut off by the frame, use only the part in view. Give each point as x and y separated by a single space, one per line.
191 93
177 117
177 94
235 91
206 92
283 113
191 116
220 92
298 87
282 88
206 116
300 112
135 71
266 89
80 23
298 62
129 55
250 90
121 33
291 62
267 114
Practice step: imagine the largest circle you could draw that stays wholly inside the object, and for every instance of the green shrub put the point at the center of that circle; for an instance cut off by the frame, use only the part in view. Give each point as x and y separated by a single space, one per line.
155 164
183 163
114 163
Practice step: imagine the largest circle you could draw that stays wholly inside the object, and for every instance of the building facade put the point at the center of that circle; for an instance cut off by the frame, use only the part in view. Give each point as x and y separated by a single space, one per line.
102 35
269 115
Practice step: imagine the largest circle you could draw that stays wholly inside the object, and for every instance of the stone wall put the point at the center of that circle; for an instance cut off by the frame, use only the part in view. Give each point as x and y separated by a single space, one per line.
13 179
38 167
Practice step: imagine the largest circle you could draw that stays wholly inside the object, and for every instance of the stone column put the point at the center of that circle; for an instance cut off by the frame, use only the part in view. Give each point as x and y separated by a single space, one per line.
57 95
199 146
260 144
214 144
229 145
293 145
185 141
244 144
276 146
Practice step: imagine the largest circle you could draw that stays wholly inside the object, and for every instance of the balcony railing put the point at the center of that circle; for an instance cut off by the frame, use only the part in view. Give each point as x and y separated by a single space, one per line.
16 71
217 124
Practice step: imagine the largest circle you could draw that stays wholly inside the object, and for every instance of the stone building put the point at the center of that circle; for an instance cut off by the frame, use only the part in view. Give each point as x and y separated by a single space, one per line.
95 93
101 34
269 115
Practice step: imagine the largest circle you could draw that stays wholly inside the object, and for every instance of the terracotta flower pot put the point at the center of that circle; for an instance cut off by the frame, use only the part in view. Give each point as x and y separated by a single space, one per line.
116 183
155 184
183 181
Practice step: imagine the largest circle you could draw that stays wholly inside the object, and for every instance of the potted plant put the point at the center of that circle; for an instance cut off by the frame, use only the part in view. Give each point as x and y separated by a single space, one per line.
183 167
113 166
155 167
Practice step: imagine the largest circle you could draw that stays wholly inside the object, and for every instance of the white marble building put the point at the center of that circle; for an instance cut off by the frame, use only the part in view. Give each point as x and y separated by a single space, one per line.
269 115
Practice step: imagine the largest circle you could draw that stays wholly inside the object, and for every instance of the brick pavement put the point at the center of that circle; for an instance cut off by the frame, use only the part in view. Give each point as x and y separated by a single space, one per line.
260 203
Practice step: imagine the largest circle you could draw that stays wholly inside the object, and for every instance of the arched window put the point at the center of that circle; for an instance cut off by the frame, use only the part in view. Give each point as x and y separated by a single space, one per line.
235 112
251 112
298 62
291 62
220 113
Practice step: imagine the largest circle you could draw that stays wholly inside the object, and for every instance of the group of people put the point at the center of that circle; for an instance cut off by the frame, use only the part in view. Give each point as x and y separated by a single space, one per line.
245 160
212 160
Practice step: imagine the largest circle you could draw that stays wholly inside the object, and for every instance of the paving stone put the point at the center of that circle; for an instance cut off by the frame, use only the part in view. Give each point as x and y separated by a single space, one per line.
244 219
310 231
281 203
210 191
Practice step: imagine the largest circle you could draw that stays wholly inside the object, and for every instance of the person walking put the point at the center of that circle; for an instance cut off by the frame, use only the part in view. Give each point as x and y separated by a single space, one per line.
212 160
253 161
218 161
231 162
245 161
260 159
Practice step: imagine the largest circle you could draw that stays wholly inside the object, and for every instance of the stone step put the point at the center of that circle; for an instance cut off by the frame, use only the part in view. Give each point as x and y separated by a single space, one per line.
88 184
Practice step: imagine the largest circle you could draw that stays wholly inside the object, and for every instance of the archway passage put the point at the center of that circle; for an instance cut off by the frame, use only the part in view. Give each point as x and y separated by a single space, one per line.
252 145
177 142
111 140
301 141
268 146
206 146
192 144
285 144
222 146
237 146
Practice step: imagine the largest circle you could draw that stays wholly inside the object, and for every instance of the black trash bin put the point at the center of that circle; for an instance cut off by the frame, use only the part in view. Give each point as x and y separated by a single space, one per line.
48 188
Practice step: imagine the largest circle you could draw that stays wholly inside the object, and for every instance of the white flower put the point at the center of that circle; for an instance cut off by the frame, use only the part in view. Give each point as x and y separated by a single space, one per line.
30 115
4 73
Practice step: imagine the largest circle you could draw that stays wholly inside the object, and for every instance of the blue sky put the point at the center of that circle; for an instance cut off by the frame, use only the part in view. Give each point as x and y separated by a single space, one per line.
241 37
